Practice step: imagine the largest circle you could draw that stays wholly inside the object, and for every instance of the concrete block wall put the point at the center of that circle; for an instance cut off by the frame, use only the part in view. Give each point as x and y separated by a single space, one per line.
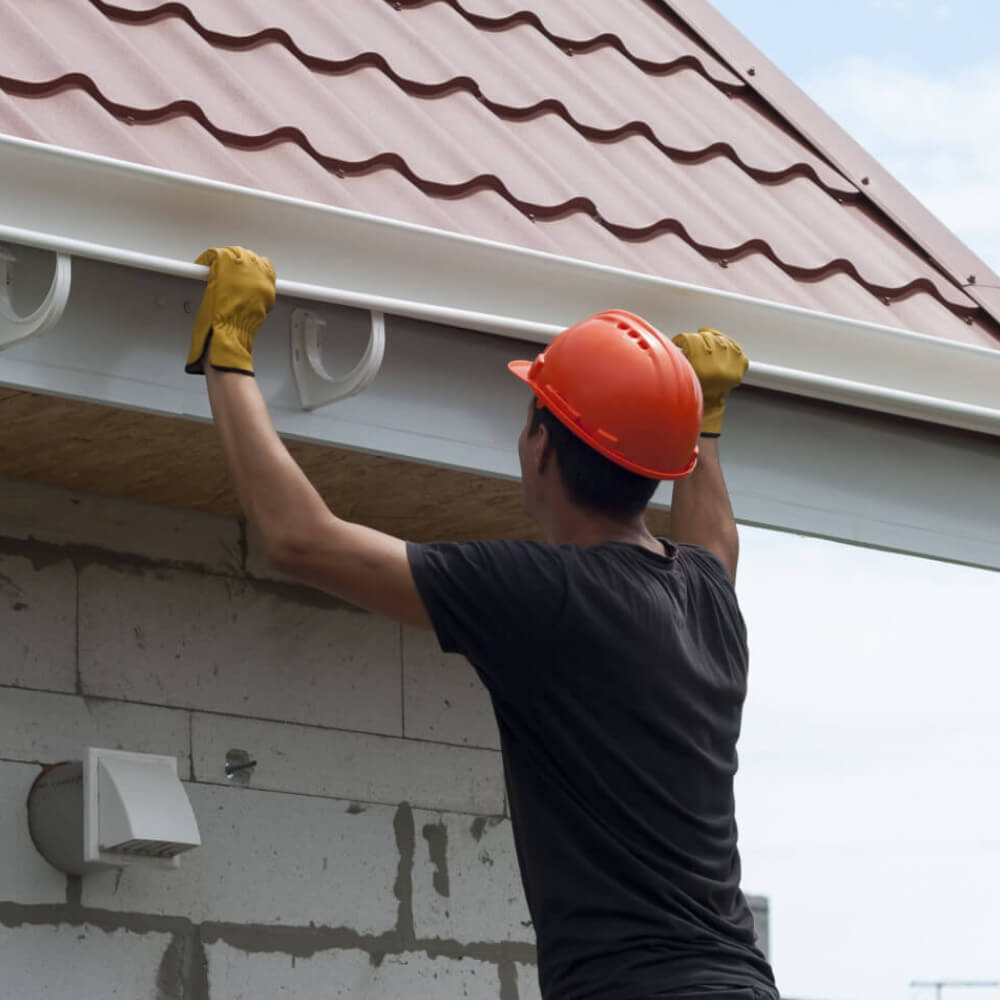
369 856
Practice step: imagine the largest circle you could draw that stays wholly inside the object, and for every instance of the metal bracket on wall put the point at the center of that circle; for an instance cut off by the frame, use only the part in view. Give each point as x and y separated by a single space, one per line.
14 328
317 387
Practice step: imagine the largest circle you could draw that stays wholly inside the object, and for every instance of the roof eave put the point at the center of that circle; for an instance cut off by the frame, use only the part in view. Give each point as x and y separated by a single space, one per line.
118 212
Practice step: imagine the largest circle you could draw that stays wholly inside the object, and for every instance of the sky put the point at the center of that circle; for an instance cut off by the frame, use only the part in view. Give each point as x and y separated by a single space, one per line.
870 766
867 794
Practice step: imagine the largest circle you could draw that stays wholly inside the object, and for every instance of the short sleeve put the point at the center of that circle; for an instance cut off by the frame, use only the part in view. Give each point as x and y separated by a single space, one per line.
717 588
495 602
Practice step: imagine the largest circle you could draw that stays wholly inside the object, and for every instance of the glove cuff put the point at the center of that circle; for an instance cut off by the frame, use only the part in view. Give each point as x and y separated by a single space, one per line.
225 354
226 349
711 421
195 364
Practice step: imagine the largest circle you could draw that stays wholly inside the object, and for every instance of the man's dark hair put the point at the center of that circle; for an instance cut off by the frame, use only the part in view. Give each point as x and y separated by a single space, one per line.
591 480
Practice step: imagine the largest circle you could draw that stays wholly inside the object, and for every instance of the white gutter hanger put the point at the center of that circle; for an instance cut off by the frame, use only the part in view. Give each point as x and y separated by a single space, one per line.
15 328
317 387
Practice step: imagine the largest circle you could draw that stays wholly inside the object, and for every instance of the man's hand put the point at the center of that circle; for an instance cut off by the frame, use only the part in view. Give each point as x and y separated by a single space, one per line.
719 363
239 296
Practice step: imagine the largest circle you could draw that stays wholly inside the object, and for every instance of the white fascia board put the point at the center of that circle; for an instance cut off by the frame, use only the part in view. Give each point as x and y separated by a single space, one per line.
143 217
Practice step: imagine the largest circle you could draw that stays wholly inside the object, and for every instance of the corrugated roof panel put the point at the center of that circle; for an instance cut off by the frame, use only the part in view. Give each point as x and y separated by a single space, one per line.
632 27
542 165
473 118
491 66
435 51
72 118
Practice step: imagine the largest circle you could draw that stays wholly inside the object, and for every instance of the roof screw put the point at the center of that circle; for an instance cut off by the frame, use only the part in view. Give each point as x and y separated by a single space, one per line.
866 180
972 279
531 216
130 119
968 321
751 71
885 300
569 52
723 262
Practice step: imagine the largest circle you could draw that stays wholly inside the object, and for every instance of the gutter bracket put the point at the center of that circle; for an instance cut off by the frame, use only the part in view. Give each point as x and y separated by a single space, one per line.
14 328
317 387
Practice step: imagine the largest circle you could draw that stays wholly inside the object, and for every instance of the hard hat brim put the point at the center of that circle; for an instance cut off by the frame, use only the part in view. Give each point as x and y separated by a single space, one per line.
521 369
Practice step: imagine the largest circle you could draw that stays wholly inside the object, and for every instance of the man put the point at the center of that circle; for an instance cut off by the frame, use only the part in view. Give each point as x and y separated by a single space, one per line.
616 661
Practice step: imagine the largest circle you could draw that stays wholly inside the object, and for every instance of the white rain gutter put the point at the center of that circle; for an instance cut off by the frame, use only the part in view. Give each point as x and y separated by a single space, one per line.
77 204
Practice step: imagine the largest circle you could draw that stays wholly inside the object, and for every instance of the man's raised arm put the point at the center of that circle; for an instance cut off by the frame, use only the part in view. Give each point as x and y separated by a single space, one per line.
701 513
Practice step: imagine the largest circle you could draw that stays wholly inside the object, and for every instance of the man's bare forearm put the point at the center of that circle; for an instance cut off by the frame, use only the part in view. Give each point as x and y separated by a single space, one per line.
701 513
273 491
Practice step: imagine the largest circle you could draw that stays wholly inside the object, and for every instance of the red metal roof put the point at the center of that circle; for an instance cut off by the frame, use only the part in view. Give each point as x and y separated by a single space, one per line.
607 132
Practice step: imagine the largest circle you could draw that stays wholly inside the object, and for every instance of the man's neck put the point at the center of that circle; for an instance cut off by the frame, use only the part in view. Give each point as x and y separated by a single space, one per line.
586 530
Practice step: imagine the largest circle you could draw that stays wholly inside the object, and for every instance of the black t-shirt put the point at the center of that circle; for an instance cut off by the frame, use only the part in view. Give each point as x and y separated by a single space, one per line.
618 678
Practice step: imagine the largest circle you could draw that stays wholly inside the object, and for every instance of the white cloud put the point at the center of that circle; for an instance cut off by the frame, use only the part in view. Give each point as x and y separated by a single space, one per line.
937 133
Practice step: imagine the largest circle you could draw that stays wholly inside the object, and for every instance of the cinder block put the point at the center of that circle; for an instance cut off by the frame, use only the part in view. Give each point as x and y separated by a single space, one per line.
268 858
25 876
68 517
444 699
63 962
37 624
48 728
466 883
234 974
347 975
348 765
527 983
178 638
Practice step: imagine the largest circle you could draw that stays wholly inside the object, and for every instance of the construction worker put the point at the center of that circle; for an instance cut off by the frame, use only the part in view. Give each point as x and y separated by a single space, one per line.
616 661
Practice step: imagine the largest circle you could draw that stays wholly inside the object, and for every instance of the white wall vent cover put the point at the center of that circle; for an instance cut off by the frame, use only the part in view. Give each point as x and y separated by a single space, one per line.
135 809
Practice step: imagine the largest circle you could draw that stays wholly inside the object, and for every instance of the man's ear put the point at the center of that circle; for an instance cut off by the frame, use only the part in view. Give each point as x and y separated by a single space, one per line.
543 450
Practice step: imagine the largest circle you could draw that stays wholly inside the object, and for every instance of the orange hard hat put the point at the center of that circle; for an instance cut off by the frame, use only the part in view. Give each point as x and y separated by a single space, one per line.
622 387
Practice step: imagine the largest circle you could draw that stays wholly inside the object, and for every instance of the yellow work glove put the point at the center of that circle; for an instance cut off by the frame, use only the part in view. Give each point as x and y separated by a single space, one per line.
239 295
719 363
